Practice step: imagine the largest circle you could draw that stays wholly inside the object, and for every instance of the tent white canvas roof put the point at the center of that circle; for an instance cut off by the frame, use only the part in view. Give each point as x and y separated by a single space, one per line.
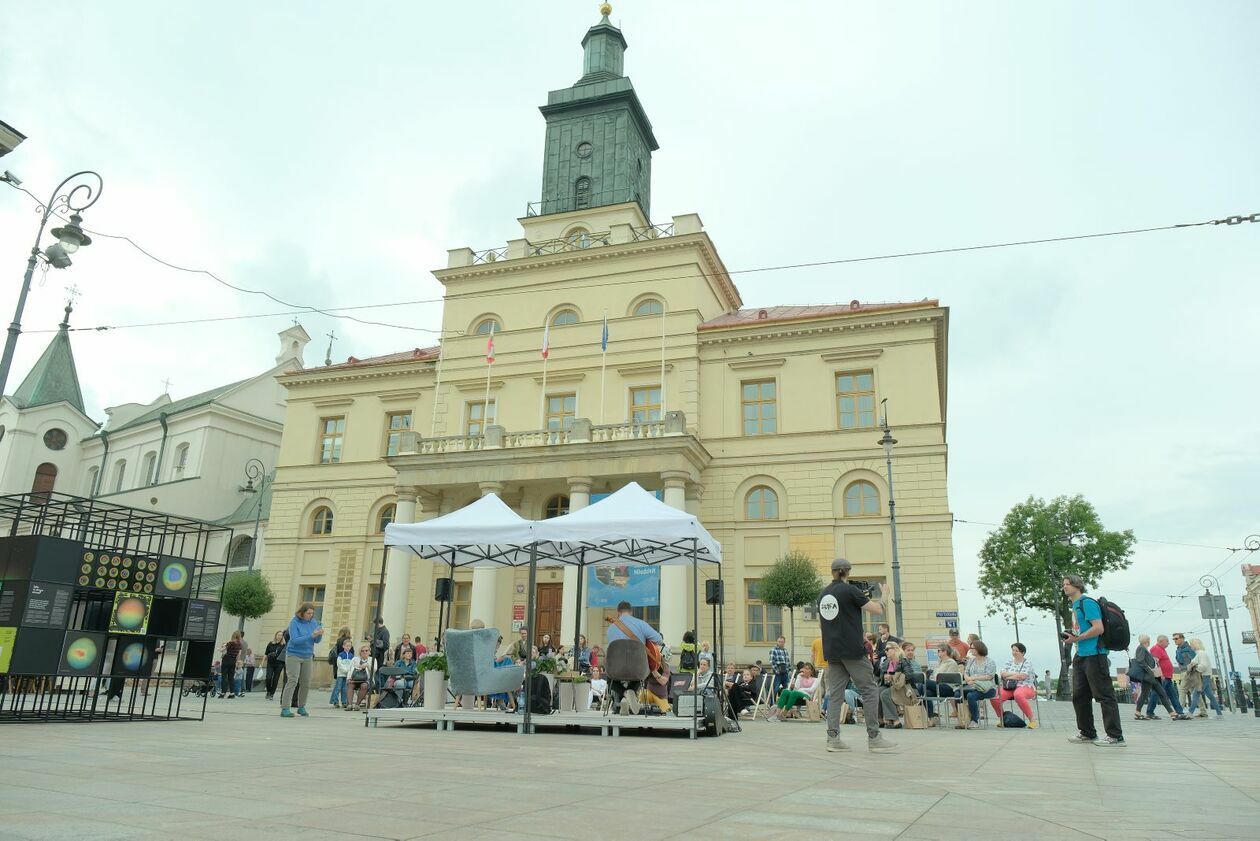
484 533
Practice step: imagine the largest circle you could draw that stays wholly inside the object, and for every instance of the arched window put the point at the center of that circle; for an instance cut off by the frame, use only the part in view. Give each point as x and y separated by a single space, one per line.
120 470
386 517
577 238
650 306
564 317
762 503
150 461
582 192
181 461
322 521
860 498
93 472
557 506
241 552
486 325
45 478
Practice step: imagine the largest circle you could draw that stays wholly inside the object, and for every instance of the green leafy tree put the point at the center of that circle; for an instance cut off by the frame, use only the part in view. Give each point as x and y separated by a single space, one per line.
1022 562
792 582
247 595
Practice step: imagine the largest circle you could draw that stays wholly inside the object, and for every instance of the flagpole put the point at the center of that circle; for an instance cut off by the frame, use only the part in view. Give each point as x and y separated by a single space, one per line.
542 404
664 396
437 385
603 367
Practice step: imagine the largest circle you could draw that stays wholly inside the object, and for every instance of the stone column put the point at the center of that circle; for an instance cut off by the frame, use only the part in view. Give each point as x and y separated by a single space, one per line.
421 624
675 580
485 582
579 497
398 567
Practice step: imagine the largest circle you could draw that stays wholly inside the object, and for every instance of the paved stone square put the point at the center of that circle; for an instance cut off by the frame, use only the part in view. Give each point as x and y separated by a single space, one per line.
246 773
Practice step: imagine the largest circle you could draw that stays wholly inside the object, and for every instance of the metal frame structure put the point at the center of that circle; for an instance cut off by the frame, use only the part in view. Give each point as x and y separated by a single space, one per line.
163 692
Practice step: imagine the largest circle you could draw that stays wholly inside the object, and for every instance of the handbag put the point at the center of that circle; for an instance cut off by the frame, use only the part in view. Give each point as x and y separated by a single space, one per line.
359 675
1010 685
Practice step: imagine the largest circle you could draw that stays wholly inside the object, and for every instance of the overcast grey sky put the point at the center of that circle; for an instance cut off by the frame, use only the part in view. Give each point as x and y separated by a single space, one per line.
331 155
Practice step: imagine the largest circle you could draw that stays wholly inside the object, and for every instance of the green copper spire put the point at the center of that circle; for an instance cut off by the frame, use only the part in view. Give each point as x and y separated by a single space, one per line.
54 377
599 142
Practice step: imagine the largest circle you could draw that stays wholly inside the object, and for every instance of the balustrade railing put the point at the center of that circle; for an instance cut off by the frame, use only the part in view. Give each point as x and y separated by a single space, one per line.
490 255
653 231
574 242
576 434
627 431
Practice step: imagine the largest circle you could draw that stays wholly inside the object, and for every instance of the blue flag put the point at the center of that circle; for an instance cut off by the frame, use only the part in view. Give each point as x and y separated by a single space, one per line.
603 342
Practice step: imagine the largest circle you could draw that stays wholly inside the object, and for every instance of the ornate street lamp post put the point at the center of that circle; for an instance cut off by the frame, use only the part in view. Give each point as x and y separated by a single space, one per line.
255 471
887 443
70 238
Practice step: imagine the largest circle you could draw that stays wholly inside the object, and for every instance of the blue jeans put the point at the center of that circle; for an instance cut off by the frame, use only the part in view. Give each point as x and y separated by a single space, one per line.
1211 696
340 694
781 682
1171 689
974 697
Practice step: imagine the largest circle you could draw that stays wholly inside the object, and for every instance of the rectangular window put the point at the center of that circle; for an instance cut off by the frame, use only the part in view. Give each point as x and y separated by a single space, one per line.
461 605
650 615
479 417
760 409
396 423
763 623
645 404
373 604
314 593
855 397
561 410
332 431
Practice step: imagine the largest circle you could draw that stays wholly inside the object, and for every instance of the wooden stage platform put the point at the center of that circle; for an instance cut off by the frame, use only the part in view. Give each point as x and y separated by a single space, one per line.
607 725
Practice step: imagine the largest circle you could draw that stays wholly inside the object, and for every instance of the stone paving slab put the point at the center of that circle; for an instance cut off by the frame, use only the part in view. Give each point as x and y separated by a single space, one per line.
245 773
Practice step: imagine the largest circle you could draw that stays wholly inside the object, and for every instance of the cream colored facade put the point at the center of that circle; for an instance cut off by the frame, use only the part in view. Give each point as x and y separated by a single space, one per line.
671 308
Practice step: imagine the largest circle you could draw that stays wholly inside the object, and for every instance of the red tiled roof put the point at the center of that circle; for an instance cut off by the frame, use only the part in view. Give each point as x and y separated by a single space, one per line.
764 315
413 355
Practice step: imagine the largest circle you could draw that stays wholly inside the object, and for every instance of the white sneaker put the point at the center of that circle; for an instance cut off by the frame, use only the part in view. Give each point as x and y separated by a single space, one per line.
624 708
1081 739
880 745
836 745
634 703
1109 742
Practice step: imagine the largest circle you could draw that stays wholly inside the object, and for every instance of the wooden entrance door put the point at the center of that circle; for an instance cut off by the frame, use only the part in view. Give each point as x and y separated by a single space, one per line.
548 598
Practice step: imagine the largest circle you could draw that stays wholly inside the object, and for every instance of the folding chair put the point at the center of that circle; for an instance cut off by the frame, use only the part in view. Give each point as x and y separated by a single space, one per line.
955 682
766 695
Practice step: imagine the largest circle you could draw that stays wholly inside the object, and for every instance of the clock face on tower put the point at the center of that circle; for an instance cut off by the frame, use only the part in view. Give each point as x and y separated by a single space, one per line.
584 149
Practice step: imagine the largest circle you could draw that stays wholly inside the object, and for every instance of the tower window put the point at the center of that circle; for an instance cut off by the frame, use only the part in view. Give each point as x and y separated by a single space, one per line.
582 192
584 149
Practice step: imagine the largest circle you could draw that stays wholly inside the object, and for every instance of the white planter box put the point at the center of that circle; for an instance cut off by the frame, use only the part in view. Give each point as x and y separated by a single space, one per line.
568 700
434 690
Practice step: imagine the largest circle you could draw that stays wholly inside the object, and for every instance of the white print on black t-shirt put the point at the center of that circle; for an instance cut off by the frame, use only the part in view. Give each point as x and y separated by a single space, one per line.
828 607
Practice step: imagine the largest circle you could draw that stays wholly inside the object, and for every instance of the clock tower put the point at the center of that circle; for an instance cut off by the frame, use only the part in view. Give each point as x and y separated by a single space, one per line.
599 142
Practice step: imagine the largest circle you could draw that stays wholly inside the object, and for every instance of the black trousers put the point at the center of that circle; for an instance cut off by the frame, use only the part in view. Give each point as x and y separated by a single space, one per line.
274 670
1156 686
249 678
1091 681
227 685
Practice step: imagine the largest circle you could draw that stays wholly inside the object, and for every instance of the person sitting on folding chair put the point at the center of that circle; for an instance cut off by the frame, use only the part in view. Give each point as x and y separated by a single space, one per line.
800 689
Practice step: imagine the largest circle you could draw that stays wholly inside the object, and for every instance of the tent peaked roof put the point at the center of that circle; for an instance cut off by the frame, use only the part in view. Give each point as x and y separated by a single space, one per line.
485 532
632 524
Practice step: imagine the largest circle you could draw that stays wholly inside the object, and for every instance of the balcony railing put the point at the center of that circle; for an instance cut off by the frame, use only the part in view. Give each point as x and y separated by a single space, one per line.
582 201
653 231
490 255
573 242
581 431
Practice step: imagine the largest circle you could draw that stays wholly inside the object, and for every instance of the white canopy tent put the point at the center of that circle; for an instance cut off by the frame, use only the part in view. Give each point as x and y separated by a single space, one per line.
629 526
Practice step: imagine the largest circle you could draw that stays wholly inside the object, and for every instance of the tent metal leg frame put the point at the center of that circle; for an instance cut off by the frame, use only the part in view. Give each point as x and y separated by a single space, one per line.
529 635
577 614
695 634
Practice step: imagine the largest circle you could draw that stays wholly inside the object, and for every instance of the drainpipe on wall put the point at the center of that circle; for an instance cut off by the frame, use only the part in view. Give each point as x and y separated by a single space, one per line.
157 470
100 474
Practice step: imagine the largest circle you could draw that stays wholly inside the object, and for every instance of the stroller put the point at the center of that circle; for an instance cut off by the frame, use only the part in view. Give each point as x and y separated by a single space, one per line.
202 689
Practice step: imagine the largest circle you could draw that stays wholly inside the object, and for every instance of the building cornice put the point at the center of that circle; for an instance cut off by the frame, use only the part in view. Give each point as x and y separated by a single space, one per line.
821 326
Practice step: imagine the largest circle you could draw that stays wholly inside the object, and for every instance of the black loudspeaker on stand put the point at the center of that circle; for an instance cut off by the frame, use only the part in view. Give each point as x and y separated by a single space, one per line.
727 719
713 591
443 592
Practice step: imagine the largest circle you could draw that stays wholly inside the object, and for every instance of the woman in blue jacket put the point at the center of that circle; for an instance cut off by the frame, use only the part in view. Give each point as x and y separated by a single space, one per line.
299 660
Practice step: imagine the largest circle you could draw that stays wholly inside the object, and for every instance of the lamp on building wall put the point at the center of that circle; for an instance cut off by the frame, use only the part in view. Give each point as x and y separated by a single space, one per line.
255 470
70 238
887 443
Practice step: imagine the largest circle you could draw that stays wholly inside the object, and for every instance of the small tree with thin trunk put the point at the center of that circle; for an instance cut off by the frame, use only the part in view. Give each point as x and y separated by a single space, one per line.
792 582
247 595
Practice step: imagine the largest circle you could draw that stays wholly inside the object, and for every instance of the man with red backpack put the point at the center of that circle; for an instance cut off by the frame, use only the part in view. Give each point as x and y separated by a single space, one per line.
1091 668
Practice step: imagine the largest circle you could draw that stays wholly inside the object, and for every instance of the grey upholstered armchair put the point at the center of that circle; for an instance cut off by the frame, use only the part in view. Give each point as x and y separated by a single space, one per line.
470 659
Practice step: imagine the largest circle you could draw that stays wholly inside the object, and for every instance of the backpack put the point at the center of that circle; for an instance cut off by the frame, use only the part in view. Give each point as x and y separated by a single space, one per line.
687 660
1009 719
539 695
1115 635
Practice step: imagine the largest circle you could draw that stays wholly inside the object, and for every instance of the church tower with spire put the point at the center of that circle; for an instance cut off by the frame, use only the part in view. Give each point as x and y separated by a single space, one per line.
599 144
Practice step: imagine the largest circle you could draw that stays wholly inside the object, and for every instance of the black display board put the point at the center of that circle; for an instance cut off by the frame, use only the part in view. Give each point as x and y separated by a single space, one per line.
47 605
12 601
203 619
36 651
166 617
82 654
45 558
198 659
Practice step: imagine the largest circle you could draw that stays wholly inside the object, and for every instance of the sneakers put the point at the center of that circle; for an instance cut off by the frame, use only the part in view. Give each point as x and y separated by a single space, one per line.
1081 739
1032 725
1109 742
302 711
286 713
835 745
635 706
880 745
624 708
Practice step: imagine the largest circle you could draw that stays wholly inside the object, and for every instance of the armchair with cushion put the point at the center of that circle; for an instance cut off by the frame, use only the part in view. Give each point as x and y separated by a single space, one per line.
470 661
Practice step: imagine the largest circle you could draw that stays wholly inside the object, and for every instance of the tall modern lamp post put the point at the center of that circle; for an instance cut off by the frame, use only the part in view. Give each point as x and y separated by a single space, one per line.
887 443
86 189
255 471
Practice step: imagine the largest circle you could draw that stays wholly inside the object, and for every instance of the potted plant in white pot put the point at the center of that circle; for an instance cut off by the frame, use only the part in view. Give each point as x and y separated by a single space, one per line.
434 669
574 694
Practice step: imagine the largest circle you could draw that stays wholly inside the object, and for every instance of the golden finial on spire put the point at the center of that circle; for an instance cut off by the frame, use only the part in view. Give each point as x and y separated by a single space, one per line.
605 9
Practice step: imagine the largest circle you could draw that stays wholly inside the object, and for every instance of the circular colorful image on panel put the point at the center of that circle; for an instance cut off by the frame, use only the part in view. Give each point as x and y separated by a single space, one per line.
130 614
175 577
81 653
135 656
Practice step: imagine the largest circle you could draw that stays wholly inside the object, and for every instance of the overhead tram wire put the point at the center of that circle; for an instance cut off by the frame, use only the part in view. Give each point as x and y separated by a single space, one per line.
1138 539
332 312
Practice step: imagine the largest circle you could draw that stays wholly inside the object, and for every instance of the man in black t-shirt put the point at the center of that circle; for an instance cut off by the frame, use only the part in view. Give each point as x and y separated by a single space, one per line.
840 609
